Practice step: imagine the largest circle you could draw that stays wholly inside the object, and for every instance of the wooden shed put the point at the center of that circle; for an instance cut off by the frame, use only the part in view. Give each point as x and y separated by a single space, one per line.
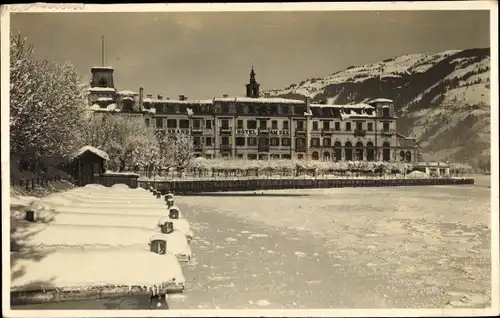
87 164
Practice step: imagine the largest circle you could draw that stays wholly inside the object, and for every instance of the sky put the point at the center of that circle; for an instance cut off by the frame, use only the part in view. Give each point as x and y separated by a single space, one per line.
208 54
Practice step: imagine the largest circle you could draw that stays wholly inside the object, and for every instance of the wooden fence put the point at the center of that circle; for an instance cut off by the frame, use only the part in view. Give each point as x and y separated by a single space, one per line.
32 183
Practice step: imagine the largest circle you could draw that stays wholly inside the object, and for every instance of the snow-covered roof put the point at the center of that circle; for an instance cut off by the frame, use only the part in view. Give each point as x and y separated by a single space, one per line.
352 106
177 101
128 98
97 152
104 99
101 89
126 92
102 67
380 100
259 100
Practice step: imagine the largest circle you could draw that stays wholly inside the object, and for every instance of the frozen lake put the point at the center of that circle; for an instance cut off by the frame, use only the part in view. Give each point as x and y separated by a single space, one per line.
416 247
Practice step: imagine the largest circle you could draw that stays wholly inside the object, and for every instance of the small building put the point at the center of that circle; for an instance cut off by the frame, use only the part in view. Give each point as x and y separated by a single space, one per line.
87 164
438 169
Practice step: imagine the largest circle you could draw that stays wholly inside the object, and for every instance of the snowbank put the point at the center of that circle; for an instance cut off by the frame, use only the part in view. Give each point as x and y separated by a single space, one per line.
78 268
143 221
21 200
43 235
417 175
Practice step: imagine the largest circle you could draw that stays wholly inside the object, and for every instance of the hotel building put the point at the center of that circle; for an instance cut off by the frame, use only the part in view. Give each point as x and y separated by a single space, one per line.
253 127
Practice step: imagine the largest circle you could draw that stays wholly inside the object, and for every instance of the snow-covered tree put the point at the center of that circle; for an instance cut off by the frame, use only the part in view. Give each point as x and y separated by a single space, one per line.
46 105
182 151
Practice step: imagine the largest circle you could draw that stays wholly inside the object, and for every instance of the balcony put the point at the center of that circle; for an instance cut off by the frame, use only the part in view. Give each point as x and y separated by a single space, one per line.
387 132
300 131
197 130
225 130
198 148
359 132
225 148
263 148
263 130
327 131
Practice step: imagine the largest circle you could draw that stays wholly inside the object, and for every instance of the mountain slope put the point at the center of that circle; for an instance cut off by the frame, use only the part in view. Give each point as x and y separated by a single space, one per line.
443 99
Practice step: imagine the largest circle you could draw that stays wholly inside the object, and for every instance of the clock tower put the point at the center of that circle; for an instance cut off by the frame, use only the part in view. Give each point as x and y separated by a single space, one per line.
102 76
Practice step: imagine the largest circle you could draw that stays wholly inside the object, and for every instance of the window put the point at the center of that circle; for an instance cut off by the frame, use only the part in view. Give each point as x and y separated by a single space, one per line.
315 125
252 141
285 125
147 121
208 124
274 124
275 141
208 141
240 124
251 124
184 123
225 108
347 126
359 126
327 142
285 141
386 112
263 124
239 156
159 123
285 109
171 108
224 140
300 125
370 126
240 141
225 124
196 124
337 126
300 142
171 123
326 125
386 126
315 142
197 141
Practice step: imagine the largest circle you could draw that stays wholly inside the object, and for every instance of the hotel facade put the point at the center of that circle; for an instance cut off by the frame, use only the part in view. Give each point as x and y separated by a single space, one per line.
255 127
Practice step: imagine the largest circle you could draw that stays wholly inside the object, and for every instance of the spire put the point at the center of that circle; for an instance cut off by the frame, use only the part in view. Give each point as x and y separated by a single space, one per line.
252 76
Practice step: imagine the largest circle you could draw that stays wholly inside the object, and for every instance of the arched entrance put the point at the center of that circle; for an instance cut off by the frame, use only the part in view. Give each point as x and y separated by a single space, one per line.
315 155
326 156
386 151
337 151
348 151
359 151
408 156
370 151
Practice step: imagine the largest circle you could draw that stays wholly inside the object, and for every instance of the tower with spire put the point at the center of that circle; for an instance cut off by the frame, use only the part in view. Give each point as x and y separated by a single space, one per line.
253 86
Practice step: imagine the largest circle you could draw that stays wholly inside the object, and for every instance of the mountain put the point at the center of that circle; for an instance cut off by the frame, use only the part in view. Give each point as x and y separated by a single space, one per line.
442 99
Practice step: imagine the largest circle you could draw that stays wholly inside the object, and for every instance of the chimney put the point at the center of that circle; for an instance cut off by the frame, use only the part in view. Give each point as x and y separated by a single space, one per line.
160 97
141 98
308 105
150 96
168 98
181 97
225 96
